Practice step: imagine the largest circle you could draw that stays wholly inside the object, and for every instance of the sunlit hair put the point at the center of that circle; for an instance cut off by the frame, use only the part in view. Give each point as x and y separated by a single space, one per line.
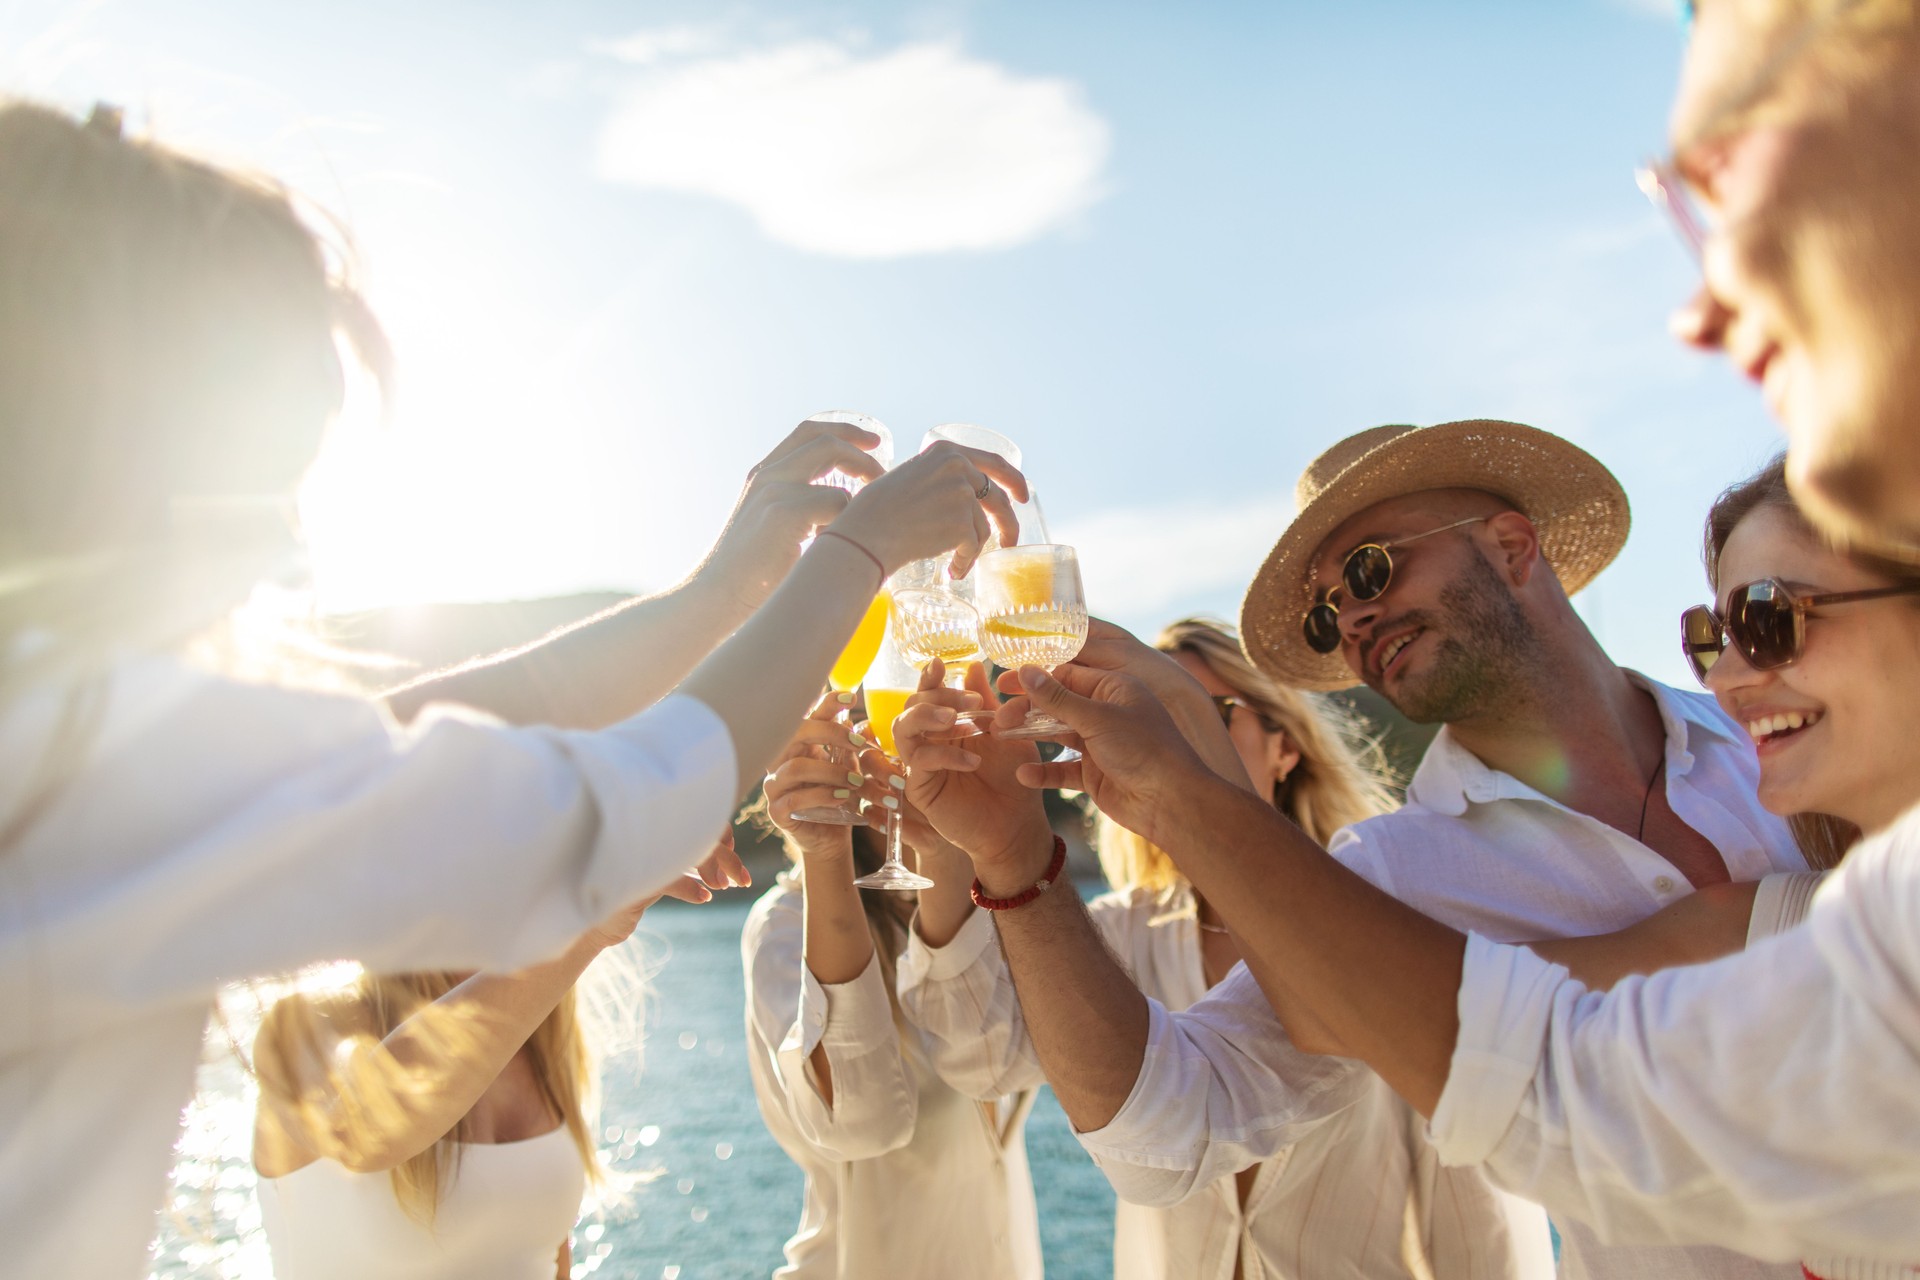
1823 838
1340 779
170 357
320 1055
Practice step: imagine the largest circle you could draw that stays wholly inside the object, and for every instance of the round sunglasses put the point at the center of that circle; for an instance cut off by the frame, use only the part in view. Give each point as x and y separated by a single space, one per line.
1765 623
1365 575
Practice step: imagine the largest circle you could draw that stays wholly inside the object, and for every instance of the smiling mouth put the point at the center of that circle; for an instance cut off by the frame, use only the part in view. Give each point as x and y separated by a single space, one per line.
1392 649
1780 726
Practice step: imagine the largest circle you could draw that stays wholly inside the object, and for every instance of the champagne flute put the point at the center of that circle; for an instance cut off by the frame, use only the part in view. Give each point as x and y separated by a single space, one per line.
890 682
849 669
1033 521
1033 612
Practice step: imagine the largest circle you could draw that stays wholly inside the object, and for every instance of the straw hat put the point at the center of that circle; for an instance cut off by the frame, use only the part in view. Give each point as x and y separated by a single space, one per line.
1575 503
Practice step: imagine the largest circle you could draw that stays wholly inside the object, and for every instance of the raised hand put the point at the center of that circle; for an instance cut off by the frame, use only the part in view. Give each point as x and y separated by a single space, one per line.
969 790
1133 756
721 869
804 778
946 499
781 504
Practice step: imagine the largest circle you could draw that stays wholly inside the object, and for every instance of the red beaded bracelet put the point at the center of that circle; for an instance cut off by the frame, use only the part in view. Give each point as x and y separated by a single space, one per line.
1040 886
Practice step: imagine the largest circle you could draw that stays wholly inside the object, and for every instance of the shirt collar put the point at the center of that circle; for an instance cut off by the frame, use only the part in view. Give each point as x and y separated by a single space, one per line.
1450 777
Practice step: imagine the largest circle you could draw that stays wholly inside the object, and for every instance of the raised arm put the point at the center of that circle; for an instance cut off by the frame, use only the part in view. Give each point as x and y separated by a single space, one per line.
330 1090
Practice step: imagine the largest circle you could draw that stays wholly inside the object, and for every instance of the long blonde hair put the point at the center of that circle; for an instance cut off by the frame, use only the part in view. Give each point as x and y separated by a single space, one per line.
320 1056
1340 779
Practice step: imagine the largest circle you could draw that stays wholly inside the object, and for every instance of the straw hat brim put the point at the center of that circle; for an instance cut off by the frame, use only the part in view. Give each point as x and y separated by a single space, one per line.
1578 508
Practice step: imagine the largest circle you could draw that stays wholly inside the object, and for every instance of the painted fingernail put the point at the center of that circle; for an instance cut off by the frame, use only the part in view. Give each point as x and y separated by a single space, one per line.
855 778
858 741
844 699
842 794
892 802
897 782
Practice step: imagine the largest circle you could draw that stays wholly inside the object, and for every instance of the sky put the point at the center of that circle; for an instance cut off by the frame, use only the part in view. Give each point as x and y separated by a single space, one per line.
1173 251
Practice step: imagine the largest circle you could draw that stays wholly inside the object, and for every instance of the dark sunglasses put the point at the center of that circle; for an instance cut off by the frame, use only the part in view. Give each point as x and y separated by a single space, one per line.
1367 573
1765 622
1225 705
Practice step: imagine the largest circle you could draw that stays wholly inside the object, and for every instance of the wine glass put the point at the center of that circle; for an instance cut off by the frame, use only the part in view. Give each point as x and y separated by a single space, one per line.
890 682
933 622
1033 521
1033 612
882 452
849 669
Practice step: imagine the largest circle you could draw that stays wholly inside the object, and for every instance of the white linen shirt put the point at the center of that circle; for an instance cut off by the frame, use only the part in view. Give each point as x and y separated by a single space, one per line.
212 831
1770 1099
1362 1193
904 1176
1222 1087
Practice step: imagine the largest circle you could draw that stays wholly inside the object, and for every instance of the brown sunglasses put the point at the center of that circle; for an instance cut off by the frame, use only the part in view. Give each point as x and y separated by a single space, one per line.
1765 623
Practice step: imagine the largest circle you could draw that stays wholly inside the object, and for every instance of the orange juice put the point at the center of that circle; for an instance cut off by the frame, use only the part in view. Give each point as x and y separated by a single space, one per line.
883 706
850 668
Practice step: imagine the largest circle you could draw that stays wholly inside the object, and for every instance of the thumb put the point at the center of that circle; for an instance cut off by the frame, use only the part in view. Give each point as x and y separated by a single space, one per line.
1052 693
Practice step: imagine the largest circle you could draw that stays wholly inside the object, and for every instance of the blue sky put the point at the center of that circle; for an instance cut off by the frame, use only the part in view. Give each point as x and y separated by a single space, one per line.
1173 251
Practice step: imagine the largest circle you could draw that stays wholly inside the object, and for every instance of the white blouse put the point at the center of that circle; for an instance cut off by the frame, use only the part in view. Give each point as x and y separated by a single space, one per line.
1360 1193
213 830
904 1176
504 1216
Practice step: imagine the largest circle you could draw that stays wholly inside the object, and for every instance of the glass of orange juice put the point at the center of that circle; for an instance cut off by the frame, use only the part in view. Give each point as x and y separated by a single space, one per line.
849 669
1033 612
891 680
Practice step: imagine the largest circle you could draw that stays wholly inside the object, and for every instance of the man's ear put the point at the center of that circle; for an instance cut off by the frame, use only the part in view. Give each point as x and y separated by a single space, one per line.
1518 546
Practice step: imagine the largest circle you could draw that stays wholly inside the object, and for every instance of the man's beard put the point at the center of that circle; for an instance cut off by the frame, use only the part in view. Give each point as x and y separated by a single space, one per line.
1485 644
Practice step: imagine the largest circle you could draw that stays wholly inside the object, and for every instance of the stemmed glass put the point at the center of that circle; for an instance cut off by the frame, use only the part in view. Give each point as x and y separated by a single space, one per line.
851 666
932 622
890 682
1033 612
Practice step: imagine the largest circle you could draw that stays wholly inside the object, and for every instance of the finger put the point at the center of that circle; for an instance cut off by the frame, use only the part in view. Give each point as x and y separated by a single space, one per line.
980 684
968 549
998 508
688 889
825 454
918 722
814 428
781 810
943 757
932 674
802 506
1002 472
1050 776
957 699
796 774
722 869
836 734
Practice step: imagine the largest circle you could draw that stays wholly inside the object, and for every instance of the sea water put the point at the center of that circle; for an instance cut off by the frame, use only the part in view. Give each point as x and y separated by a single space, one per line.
711 1196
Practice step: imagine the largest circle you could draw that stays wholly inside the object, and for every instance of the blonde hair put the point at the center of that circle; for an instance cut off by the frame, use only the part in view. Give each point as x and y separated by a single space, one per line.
169 363
321 1056
1341 778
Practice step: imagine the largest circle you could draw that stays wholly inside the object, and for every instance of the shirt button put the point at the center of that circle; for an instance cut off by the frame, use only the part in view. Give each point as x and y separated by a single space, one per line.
1663 884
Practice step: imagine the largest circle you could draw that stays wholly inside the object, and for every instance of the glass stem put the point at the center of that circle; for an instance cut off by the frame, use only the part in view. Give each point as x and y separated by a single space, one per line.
894 824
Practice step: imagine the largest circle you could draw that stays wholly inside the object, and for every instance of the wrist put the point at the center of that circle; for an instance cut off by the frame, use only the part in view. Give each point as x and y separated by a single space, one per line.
1017 864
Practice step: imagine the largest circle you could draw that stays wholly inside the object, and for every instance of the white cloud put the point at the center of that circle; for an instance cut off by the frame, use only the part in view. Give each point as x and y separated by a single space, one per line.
919 150
645 47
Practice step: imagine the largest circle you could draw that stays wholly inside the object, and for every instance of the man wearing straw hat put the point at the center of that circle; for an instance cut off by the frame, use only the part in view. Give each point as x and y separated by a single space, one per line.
1564 797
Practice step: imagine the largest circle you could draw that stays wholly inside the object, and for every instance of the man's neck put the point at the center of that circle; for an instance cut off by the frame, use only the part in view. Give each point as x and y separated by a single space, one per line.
1580 732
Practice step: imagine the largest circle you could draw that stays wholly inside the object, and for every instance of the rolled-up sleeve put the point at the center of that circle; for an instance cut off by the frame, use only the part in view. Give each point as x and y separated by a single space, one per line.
875 1104
1768 1102
961 997
1221 1088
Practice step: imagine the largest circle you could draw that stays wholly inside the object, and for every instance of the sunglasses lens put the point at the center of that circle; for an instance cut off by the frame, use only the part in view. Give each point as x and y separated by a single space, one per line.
1367 572
1701 639
1322 628
1761 622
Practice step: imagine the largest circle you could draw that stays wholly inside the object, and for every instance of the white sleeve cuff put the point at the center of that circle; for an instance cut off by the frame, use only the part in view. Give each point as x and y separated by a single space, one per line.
924 963
1505 1004
1781 902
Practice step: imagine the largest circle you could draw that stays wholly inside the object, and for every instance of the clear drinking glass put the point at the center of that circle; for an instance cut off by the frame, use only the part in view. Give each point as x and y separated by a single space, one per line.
1033 612
930 622
1033 522
890 682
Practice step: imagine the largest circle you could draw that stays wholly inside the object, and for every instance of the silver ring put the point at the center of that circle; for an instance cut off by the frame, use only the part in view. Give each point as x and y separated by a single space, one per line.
986 487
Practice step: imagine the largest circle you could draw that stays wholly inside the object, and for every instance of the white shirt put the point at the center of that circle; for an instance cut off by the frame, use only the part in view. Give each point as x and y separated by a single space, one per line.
904 1176
212 831
1221 1086
505 1214
1361 1193
1770 1099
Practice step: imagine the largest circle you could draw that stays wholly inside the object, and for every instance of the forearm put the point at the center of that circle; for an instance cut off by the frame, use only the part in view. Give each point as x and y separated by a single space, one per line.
1086 1019
839 946
440 1061
1380 978
949 903
596 671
